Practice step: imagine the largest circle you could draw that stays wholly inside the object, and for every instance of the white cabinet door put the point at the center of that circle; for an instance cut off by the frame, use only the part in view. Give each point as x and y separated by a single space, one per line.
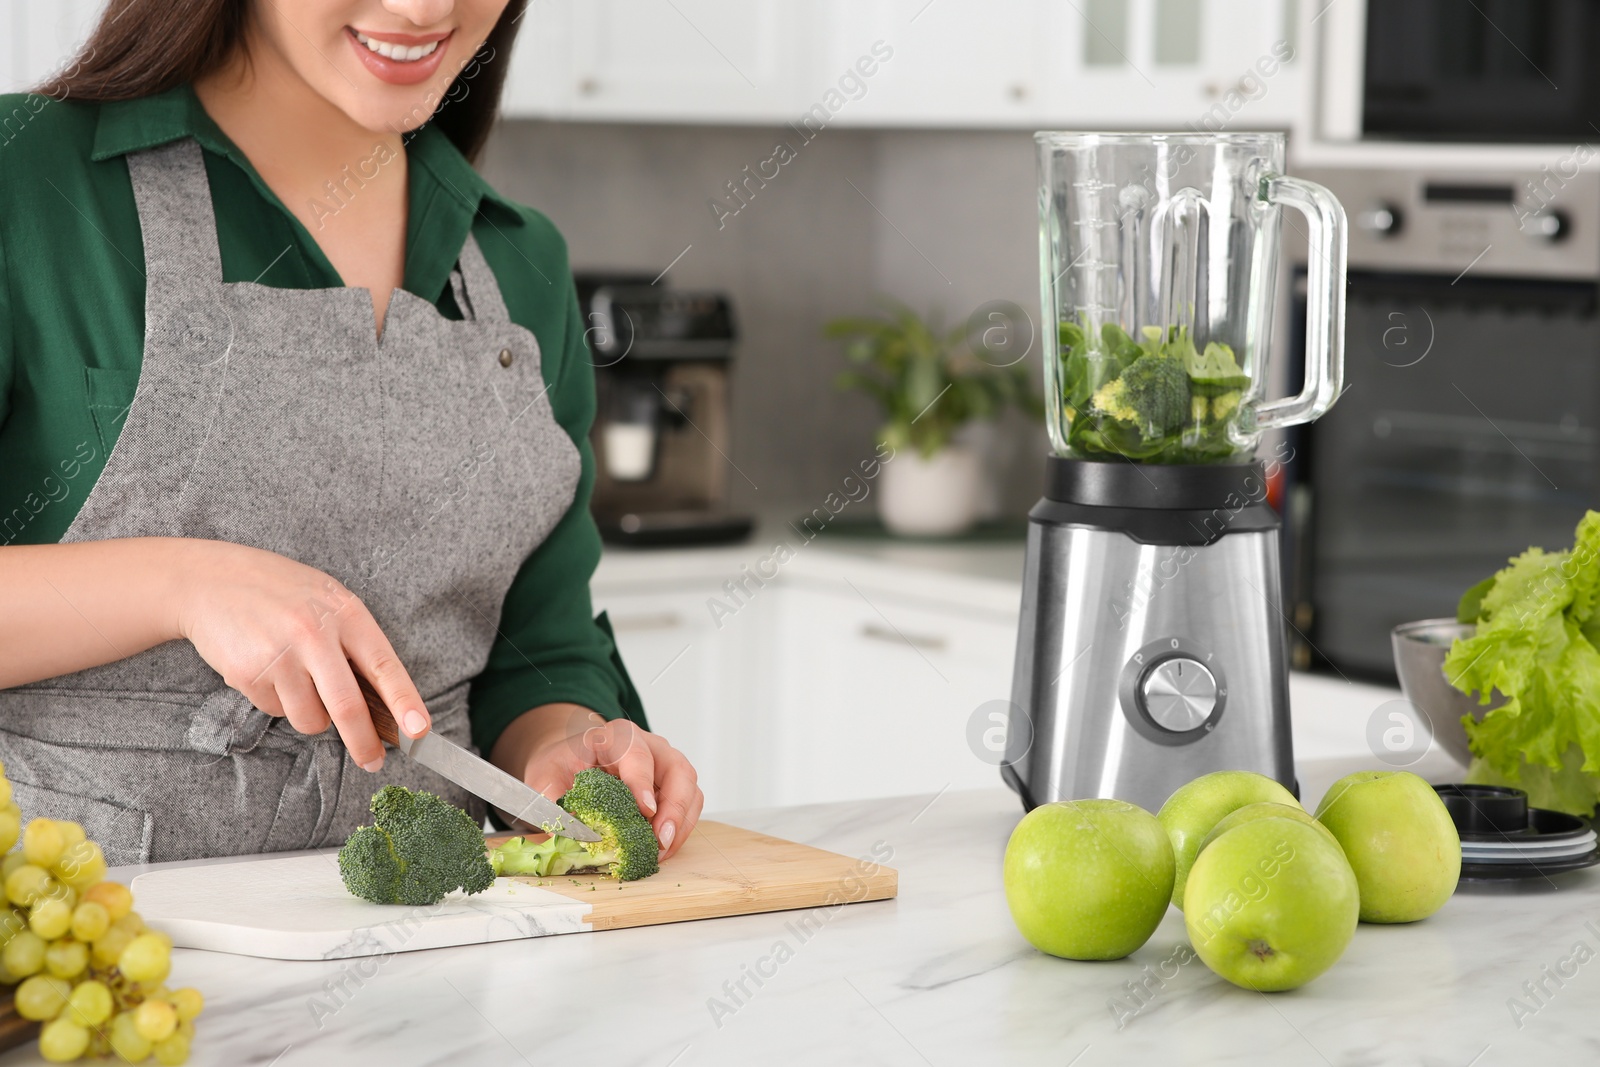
875 693
1170 64
694 679
37 39
663 60
538 84
929 62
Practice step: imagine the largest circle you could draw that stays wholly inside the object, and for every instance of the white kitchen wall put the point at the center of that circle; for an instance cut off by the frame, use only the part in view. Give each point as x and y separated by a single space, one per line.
635 197
934 218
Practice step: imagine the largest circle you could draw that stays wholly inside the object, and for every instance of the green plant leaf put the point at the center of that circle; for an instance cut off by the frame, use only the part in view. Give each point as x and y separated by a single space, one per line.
925 377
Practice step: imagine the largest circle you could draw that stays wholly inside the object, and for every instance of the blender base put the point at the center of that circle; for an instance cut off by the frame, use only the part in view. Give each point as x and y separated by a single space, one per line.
1150 648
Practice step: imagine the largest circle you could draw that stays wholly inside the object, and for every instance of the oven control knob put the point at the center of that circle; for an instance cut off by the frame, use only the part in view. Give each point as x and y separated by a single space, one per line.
1179 694
1548 225
1381 219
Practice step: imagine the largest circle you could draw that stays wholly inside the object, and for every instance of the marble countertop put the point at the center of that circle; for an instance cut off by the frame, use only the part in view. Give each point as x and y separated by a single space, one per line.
938 976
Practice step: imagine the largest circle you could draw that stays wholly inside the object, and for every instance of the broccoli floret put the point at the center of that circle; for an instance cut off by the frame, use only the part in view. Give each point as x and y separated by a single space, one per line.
627 848
1223 406
1152 394
419 849
370 868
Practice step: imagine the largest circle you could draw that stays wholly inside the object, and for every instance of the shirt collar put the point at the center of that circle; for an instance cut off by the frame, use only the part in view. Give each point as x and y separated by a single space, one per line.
134 125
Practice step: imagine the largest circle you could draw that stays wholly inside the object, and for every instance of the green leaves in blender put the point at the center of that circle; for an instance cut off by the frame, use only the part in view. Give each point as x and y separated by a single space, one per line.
1154 400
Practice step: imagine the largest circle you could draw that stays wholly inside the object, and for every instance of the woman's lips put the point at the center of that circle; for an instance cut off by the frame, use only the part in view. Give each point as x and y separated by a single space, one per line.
400 71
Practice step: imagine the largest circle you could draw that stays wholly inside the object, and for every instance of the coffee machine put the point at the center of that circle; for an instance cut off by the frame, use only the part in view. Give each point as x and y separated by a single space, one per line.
661 431
1151 646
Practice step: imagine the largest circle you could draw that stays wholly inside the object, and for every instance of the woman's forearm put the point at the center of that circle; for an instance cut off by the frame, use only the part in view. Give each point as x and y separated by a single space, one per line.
67 607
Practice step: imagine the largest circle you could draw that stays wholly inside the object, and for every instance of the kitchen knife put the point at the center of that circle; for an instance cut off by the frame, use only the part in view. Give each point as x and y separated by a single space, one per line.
474 774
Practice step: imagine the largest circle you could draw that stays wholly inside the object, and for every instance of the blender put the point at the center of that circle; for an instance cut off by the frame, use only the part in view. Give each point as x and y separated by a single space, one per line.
1151 646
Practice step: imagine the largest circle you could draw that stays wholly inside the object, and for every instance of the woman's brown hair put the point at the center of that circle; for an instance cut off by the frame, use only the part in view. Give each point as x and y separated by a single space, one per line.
144 47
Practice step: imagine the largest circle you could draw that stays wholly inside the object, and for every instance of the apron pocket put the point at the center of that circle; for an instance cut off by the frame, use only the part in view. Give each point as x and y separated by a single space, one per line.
122 833
110 394
77 716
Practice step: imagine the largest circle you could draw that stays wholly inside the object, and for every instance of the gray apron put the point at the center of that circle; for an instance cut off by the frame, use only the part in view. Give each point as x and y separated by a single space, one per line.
419 469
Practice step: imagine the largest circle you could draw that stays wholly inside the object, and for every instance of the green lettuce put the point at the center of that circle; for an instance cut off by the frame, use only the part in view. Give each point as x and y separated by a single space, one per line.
1536 644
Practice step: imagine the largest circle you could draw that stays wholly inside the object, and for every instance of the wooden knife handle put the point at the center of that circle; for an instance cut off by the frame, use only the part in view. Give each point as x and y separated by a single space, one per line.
382 719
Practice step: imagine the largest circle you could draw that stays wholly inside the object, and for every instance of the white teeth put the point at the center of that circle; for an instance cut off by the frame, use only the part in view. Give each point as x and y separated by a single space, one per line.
397 52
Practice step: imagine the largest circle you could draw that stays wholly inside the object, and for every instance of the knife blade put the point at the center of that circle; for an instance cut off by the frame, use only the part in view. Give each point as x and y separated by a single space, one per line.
475 774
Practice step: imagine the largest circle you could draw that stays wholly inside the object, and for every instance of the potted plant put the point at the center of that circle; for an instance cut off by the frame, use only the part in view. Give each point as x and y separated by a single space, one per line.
931 383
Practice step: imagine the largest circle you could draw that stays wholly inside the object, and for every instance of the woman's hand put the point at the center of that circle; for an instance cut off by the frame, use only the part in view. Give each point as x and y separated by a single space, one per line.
285 635
548 746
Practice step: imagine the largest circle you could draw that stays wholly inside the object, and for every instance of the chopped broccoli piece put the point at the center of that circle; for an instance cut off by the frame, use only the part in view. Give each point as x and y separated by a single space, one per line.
627 848
1152 394
555 855
420 848
1214 371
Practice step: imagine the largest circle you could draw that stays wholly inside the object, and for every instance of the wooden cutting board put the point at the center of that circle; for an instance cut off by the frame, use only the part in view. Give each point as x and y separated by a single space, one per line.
296 908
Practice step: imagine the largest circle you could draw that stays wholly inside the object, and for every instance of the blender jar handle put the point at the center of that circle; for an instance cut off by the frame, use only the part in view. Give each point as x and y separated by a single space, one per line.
1325 285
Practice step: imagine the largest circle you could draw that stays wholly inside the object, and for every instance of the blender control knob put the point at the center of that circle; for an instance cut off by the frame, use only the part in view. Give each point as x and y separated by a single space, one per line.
1179 694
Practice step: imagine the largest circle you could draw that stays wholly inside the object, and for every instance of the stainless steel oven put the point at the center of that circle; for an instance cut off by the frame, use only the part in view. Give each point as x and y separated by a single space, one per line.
1470 425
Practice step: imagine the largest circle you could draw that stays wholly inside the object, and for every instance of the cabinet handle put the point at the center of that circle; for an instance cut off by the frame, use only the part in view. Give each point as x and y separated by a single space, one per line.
885 633
589 87
666 620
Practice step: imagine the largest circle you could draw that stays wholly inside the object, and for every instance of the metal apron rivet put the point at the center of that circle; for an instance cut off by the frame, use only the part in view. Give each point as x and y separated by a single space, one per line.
506 357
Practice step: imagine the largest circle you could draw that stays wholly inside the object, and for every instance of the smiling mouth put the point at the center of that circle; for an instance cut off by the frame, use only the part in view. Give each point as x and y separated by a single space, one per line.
397 53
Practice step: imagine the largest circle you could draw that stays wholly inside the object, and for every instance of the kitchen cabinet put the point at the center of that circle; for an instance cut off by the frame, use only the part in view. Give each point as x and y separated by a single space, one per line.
916 62
873 694
39 38
656 60
1214 64
698 681
1180 64
838 678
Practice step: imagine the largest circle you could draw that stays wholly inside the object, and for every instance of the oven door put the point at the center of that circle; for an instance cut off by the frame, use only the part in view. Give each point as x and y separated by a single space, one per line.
1480 70
1467 432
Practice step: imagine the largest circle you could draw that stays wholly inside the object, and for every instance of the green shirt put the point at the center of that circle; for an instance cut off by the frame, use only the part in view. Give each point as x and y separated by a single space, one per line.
72 341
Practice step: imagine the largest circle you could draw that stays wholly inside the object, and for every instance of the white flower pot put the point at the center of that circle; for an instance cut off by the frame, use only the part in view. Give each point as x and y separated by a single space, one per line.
935 497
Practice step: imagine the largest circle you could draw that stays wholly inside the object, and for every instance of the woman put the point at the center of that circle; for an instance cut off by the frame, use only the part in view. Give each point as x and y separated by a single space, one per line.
288 396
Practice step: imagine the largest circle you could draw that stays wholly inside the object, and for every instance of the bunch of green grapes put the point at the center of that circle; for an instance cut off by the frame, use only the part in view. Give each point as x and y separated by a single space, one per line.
82 961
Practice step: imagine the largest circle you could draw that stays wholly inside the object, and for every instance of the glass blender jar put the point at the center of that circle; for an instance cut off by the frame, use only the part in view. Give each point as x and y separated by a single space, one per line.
1159 256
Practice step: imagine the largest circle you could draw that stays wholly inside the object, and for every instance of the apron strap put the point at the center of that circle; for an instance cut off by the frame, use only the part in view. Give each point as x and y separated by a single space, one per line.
476 289
175 214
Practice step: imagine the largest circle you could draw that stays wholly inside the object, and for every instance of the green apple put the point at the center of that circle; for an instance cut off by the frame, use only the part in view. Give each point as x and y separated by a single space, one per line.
1191 812
1265 811
1088 879
1272 904
1400 841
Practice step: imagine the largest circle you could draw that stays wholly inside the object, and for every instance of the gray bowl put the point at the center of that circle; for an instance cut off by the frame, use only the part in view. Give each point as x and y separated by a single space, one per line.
1419 652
